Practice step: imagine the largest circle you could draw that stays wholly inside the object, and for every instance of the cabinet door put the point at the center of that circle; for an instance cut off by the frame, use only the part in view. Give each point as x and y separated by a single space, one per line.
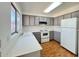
51 21
51 35
38 36
31 20
59 20
43 19
55 21
37 20
48 21
75 14
26 20
67 16
57 36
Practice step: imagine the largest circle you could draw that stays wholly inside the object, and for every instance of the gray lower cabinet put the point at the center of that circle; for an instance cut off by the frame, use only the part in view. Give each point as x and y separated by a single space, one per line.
38 36
57 36
51 35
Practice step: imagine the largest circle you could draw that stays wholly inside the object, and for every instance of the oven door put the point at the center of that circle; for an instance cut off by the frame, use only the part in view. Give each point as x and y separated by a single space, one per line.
44 35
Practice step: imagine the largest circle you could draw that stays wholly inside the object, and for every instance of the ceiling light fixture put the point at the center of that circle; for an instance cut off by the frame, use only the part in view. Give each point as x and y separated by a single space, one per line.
52 7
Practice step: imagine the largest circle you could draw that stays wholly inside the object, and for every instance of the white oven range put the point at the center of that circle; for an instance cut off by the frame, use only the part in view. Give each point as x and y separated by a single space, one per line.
44 36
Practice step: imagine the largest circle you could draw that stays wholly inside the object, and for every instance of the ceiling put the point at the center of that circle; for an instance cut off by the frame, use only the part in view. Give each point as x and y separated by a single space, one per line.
37 8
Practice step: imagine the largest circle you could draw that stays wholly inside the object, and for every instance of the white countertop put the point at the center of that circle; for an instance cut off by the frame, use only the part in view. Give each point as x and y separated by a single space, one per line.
26 44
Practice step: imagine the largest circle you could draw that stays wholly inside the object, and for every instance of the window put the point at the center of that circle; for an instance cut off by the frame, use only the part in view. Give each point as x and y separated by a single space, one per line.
18 21
15 20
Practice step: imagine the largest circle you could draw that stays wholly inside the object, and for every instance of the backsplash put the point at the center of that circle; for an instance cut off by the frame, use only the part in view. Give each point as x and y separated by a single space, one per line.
38 28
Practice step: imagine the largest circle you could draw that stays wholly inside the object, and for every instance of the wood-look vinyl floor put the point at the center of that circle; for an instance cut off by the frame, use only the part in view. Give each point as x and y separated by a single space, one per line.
53 49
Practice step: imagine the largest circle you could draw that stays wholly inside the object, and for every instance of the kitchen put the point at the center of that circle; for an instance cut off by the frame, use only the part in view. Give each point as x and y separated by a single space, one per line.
52 34
50 26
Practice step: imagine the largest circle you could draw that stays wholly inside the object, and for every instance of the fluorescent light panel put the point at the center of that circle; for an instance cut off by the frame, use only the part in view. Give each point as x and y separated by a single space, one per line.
52 7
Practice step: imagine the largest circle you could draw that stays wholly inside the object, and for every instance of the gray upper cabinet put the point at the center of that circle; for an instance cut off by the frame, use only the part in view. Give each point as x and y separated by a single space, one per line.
26 20
55 21
43 19
48 21
67 16
51 21
31 20
59 20
34 20
75 14
60 17
37 19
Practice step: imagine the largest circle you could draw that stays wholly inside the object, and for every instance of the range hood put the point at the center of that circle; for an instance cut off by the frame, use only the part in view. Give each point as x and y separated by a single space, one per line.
42 23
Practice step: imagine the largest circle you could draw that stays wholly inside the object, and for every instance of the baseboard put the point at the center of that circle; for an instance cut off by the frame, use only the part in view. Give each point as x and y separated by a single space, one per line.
63 47
69 51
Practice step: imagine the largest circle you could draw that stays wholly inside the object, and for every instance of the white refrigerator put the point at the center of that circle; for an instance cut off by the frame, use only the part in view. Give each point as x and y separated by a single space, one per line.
69 34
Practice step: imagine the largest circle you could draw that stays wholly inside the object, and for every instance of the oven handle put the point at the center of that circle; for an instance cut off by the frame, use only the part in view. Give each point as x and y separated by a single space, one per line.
45 38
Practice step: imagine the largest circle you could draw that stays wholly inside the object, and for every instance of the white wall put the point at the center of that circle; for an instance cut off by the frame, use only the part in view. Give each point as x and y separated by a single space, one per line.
13 39
5 28
38 28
